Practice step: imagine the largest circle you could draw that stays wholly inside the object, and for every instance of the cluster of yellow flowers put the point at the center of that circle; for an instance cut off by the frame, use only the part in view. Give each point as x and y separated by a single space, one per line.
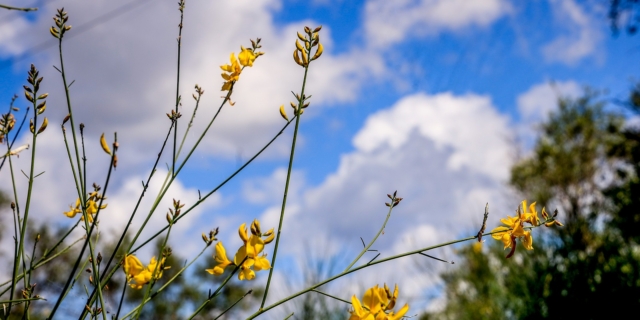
232 71
140 275
91 205
377 304
515 227
248 255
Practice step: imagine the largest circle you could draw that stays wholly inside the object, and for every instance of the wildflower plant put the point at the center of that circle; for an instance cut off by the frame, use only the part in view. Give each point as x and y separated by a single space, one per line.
256 257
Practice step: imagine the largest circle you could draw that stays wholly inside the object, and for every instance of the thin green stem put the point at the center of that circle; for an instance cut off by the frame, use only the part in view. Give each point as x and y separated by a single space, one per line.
124 289
215 293
154 273
193 115
4 6
232 305
286 186
28 277
366 248
17 225
175 131
216 188
173 176
21 300
81 193
87 241
103 281
366 265
23 224
44 260
330 296
92 257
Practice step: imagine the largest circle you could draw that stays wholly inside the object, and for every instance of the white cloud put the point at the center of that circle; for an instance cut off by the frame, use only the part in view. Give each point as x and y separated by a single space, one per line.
446 155
449 121
125 70
581 37
538 102
389 22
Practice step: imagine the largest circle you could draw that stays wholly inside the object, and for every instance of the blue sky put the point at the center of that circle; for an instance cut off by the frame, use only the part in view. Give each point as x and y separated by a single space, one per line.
429 97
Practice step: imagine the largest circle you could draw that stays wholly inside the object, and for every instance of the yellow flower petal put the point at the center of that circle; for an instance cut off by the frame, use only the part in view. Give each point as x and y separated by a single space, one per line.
528 241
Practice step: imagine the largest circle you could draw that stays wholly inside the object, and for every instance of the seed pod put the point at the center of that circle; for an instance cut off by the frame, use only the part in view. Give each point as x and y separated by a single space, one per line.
301 37
299 46
32 128
317 29
305 58
318 52
296 57
41 107
44 125
54 32
43 96
28 96
105 146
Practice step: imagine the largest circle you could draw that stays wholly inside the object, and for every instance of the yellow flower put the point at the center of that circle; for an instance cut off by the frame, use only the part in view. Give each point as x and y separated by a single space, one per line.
140 275
530 216
377 301
515 228
246 57
248 256
221 260
232 72
73 210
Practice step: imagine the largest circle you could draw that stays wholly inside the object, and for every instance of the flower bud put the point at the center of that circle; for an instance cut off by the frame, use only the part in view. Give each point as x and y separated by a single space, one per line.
301 37
296 57
44 125
104 145
318 52
283 114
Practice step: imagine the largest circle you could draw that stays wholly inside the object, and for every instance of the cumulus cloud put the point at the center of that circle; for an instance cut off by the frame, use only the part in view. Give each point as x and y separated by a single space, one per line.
535 105
446 155
389 22
125 70
580 38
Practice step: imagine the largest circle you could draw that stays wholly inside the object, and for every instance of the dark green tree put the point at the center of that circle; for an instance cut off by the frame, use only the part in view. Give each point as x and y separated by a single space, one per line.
584 165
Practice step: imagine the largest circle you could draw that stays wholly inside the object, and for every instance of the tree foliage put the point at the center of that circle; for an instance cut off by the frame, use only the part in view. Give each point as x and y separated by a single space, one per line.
585 163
